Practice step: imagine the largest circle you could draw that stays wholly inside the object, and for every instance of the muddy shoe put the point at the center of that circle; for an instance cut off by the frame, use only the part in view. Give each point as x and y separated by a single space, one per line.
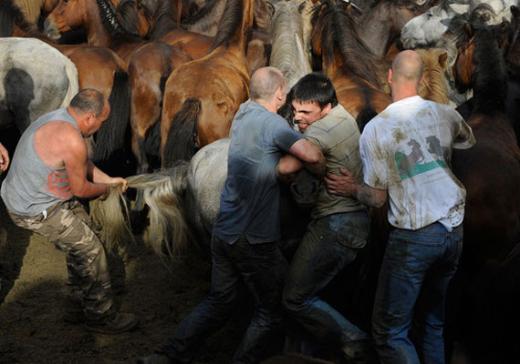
119 323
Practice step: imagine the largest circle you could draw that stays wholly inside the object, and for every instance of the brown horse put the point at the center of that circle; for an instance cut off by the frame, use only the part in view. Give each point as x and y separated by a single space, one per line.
359 76
354 70
202 96
99 20
491 173
147 84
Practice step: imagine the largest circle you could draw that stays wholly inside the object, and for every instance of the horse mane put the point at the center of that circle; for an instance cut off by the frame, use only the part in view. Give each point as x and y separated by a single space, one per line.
340 30
433 87
490 74
229 23
10 15
202 13
165 20
112 24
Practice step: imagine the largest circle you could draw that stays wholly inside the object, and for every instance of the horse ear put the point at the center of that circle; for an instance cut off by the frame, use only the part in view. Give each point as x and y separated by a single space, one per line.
443 59
515 11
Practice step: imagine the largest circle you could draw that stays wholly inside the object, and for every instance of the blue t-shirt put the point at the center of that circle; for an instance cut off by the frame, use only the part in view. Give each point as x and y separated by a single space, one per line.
250 201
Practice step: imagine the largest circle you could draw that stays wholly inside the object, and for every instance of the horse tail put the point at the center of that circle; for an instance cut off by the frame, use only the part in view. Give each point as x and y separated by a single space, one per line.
167 233
111 136
72 75
181 141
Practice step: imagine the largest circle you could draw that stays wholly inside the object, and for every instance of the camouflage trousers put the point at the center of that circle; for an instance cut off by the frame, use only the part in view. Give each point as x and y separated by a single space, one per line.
68 226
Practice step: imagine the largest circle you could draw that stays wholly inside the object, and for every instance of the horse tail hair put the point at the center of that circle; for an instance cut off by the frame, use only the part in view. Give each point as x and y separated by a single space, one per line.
72 75
364 116
112 216
111 136
180 143
167 233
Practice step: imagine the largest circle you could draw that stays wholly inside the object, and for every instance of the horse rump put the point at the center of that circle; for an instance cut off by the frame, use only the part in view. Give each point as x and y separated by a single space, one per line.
181 141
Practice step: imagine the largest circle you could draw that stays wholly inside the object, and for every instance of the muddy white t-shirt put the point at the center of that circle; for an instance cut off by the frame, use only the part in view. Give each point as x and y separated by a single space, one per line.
406 150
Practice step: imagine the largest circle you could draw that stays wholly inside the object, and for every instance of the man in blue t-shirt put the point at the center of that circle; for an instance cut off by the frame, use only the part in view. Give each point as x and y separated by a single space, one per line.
244 245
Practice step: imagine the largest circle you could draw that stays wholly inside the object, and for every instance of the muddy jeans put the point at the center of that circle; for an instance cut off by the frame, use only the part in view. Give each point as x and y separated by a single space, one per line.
261 267
329 245
68 226
417 268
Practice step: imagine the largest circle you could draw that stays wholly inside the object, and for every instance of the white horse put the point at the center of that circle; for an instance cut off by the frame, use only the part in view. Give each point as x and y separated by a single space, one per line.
184 202
35 78
289 50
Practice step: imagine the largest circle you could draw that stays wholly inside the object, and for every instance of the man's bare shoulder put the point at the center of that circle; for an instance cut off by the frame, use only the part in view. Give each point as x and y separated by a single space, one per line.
60 133
58 141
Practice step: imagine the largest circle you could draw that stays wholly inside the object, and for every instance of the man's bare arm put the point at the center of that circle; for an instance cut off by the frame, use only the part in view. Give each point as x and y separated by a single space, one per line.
96 175
346 185
74 154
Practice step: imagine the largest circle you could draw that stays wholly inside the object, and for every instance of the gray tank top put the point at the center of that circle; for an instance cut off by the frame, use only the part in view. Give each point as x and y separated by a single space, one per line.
31 187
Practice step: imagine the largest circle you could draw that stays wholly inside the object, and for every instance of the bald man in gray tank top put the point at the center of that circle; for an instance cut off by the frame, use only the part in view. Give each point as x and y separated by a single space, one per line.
50 169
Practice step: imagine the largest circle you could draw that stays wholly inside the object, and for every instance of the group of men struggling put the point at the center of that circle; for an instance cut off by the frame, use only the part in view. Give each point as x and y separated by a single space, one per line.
403 155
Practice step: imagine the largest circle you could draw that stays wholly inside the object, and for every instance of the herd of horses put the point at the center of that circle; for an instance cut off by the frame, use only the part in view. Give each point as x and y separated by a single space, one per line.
175 73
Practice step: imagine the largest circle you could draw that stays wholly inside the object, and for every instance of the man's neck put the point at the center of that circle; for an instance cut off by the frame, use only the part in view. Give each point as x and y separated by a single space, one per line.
268 105
79 120
403 92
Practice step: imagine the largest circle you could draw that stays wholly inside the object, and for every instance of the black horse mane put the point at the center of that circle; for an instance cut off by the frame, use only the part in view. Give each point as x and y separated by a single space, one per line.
112 23
229 23
11 15
490 74
339 32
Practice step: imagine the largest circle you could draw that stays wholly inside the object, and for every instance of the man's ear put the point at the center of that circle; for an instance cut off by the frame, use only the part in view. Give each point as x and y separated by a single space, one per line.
326 109
389 77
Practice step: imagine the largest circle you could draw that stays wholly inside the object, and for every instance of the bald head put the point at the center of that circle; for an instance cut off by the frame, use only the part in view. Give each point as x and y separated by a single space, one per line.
265 82
407 66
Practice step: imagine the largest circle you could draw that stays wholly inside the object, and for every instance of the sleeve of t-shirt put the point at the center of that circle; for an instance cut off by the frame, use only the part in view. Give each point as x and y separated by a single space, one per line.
374 165
464 137
283 136
318 137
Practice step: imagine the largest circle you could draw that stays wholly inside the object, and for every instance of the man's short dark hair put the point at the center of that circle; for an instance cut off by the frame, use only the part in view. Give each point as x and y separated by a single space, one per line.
314 87
88 100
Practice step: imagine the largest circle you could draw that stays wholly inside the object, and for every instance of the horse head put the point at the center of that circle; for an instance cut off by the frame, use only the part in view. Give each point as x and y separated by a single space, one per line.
99 16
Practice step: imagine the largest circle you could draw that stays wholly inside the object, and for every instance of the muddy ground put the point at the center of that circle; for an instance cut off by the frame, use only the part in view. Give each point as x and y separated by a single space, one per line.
32 298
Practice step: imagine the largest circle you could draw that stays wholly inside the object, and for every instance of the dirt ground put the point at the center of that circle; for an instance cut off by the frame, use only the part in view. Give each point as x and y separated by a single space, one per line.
32 298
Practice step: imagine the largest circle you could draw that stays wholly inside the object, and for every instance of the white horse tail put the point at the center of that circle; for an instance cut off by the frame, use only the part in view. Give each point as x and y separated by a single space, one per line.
72 75
167 233
111 215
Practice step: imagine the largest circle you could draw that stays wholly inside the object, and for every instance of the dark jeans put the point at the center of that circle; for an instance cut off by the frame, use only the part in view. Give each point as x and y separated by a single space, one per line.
324 251
415 262
262 268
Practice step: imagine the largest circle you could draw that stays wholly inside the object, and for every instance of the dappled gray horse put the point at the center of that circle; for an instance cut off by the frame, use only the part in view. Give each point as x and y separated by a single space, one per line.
35 78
